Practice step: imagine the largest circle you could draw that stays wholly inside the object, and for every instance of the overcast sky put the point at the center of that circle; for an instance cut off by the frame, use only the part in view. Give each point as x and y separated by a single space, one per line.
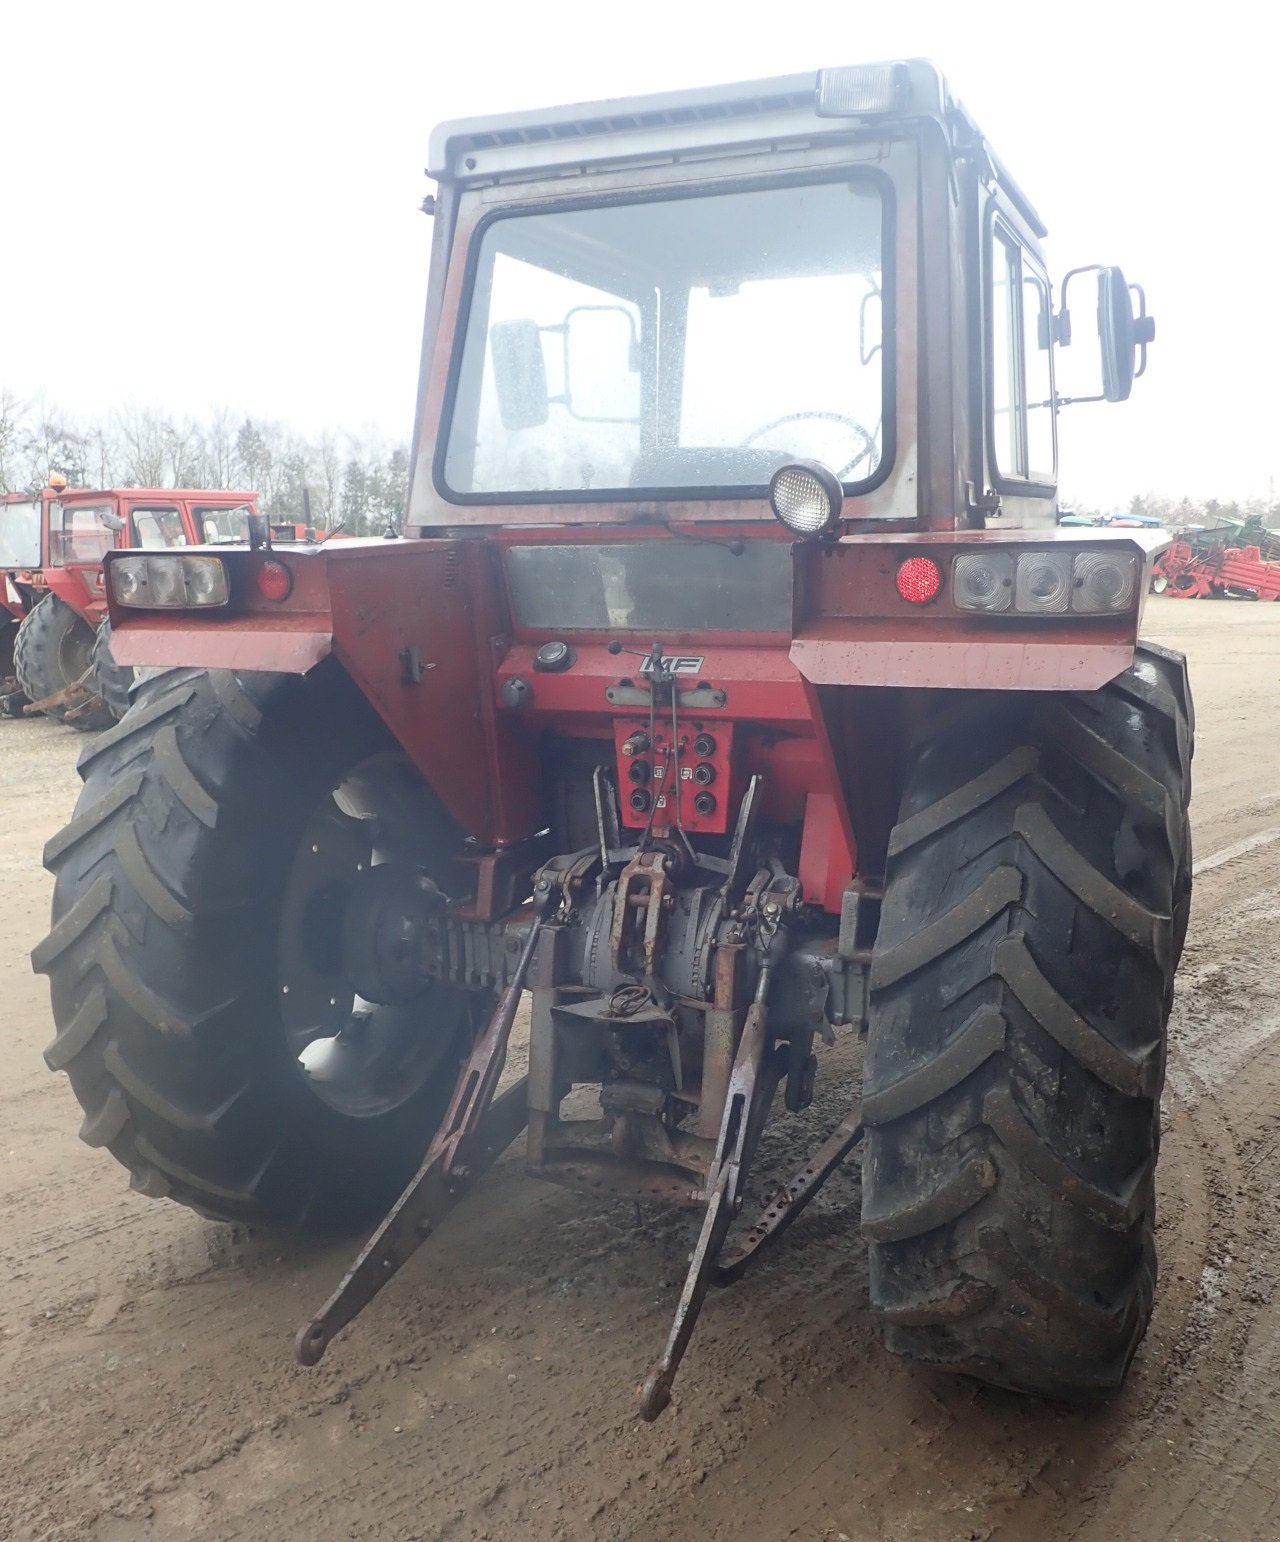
211 204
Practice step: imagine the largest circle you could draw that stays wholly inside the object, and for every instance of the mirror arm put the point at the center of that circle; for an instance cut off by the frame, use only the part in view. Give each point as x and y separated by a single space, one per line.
1144 329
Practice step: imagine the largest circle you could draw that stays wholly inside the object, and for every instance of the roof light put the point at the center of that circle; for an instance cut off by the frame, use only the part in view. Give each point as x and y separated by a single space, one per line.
860 90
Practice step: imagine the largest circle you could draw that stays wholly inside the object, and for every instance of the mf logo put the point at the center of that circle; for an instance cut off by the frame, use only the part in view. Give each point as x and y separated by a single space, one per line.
676 664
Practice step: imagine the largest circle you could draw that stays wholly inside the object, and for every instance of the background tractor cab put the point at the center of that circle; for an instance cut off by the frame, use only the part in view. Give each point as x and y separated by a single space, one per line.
62 651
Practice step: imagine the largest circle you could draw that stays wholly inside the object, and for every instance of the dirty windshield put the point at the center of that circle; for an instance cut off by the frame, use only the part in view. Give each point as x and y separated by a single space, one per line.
682 343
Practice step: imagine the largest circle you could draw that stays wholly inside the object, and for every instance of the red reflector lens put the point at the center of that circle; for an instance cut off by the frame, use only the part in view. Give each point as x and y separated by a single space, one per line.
919 579
274 581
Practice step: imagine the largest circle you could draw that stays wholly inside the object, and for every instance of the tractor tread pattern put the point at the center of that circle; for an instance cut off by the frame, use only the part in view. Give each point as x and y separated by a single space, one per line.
161 953
1035 902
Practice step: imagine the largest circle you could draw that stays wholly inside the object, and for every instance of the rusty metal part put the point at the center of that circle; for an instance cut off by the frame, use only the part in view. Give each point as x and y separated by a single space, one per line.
642 887
790 1200
473 1133
739 1123
76 696
720 1040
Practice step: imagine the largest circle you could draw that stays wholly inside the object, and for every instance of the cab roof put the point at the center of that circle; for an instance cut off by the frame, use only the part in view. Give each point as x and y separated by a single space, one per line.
671 124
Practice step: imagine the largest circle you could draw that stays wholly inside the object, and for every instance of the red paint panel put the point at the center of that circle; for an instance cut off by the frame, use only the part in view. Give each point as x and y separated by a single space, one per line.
958 658
252 642
826 857
430 609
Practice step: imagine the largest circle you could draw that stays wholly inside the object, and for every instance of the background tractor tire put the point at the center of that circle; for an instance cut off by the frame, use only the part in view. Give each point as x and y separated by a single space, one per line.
113 681
183 916
54 649
1036 899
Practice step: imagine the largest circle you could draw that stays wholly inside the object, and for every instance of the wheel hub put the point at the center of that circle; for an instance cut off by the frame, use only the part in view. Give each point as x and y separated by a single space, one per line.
391 917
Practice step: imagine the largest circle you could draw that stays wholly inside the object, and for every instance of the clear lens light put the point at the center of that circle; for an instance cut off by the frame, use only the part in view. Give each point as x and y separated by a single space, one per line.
165 582
801 500
1044 583
1104 581
858 89
129 579
169 582
982 582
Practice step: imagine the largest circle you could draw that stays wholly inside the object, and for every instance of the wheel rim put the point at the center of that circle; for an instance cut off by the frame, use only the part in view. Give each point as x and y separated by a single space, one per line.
361 1058
75 651
1159 583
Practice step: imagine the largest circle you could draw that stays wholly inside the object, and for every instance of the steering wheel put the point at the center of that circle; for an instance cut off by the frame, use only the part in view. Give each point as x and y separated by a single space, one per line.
867 439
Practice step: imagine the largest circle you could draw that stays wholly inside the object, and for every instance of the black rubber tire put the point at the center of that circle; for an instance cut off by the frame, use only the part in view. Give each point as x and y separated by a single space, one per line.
54 647
1036 898
114 681
171 881
8 637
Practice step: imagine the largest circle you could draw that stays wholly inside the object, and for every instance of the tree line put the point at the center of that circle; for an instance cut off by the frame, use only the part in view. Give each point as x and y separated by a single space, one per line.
358 482
1178 513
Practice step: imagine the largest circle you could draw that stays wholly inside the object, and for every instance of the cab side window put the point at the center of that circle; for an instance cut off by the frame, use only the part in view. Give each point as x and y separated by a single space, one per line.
1022 423
157 526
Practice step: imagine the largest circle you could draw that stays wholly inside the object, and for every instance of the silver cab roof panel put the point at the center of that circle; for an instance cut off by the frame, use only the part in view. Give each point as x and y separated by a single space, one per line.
673 123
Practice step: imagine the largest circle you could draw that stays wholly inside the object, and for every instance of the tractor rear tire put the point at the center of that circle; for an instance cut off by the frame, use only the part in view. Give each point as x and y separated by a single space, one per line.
54 649
176 891
113 681
1036 898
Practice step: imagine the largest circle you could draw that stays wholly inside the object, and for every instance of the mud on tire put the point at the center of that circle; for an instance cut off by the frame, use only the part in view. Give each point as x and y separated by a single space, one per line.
1035 904
164 961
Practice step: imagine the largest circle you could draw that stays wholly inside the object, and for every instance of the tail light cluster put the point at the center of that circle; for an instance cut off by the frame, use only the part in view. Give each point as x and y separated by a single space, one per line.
169 581
176 581
1048 582
674 781
1044 583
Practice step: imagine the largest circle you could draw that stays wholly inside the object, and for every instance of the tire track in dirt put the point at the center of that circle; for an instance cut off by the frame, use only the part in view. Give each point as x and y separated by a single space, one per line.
489 1391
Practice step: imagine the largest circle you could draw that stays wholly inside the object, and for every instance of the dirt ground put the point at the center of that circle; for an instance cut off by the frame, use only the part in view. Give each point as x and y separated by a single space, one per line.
147 1382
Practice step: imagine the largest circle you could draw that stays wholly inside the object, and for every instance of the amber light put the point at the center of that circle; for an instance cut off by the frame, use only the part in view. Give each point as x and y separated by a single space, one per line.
919 579
274 581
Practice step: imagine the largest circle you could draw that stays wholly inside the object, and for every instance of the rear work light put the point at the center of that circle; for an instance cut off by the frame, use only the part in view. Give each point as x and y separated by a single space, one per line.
919 579
1045 583
168 581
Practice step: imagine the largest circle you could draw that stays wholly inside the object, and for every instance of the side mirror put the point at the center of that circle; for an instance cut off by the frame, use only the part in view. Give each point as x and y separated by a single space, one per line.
111 520
519 373
1122 336
602 364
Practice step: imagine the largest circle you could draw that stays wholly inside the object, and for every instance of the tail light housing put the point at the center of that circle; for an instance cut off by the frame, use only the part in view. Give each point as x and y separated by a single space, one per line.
1047 582
168 581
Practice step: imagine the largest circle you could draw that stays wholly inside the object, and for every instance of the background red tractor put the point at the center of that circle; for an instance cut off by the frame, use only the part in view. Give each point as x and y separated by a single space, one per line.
62 651
733 690
23 535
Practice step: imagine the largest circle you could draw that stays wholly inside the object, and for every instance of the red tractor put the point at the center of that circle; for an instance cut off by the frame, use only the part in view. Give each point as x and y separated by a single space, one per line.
731 691
23 536
62 653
